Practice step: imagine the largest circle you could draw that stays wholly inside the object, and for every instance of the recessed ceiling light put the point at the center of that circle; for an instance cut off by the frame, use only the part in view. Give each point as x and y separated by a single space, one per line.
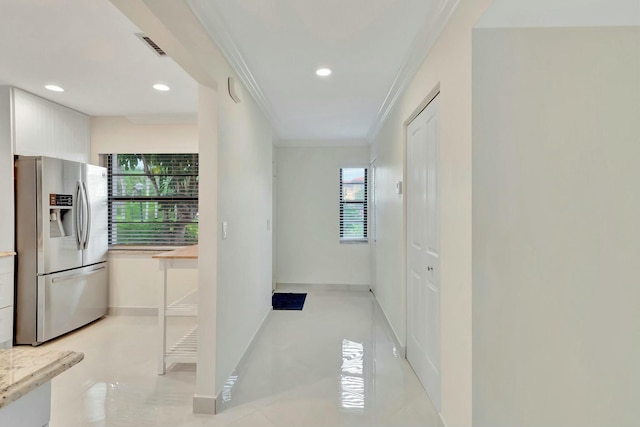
161 87
54 88
323 72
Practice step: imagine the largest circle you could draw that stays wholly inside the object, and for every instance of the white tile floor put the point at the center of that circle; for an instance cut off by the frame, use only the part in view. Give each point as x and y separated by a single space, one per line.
332 364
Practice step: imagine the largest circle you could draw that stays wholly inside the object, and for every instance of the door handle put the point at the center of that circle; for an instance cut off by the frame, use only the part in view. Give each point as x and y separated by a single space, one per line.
78 206
75 276
87 218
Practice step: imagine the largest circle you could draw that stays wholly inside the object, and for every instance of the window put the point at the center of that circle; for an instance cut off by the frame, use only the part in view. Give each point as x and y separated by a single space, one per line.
153 199
353 205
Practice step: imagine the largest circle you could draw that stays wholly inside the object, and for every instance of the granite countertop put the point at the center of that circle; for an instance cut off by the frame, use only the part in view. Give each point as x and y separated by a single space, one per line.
23 369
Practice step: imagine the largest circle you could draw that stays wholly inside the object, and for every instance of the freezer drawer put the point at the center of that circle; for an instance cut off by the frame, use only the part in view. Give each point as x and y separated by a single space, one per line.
71 299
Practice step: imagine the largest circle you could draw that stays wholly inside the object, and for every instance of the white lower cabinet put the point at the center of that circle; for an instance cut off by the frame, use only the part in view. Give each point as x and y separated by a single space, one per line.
6 327
31 410
6 302
6 289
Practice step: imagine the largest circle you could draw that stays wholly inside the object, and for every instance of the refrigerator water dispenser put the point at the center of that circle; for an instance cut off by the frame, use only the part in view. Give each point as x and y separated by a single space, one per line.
60 223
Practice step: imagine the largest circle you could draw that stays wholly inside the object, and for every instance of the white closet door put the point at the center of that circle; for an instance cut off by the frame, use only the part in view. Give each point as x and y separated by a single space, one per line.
423 249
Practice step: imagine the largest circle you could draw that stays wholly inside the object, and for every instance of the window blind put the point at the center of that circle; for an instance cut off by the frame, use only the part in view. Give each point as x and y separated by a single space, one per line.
353 204
153 199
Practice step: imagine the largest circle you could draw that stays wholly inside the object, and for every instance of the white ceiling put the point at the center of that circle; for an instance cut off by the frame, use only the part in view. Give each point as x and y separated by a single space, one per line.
90 48
282 42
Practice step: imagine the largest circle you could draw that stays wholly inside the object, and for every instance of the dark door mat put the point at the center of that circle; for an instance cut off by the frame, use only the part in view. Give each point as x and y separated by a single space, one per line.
288 301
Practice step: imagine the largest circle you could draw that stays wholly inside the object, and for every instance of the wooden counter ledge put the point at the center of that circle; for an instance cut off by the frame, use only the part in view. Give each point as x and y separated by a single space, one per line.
187 252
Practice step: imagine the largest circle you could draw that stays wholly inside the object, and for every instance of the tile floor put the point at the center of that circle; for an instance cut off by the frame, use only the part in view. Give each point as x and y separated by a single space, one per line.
332 364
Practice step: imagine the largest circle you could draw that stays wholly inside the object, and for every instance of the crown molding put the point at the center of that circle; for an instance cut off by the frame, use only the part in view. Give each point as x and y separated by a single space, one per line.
422 44
217 28
321 143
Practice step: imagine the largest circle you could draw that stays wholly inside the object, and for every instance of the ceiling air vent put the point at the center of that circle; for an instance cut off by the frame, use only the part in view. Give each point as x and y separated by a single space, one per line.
152 45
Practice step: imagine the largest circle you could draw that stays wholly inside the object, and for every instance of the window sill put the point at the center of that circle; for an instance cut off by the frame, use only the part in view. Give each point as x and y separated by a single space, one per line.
142 249
353 241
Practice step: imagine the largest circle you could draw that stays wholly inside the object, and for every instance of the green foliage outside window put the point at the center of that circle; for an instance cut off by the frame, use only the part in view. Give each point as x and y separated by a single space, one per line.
353 204
153 199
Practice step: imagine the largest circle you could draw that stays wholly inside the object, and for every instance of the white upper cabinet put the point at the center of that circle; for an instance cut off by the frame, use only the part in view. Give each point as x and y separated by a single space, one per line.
44 128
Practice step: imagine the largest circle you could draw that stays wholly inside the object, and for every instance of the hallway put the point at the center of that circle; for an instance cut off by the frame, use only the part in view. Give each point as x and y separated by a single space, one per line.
332 364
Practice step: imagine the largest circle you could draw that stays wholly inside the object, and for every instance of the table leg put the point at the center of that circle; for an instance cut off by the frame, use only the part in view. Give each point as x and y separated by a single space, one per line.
162 320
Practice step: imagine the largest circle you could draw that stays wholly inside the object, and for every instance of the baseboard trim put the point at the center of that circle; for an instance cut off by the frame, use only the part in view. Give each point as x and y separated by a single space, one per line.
133 311
204 404
322 287
401 349
223 396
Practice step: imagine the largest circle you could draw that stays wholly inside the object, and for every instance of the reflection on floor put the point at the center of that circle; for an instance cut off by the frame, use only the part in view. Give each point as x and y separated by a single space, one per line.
332 364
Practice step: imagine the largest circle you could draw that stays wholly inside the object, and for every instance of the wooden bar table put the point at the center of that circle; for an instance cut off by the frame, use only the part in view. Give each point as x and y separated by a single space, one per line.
186 349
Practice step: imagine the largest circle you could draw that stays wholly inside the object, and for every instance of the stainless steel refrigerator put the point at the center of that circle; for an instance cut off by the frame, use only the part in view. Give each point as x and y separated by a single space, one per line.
61 240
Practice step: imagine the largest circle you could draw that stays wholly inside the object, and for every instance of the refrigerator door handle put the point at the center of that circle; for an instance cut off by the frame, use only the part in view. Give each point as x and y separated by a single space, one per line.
78 219
75 276
87 217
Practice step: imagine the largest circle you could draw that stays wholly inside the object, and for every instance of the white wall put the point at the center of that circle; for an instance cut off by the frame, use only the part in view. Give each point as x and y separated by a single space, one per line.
245 204
204 400
565 13
133 283
274 219
239 193
556 208
449 65
132 275
308 236
113 134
